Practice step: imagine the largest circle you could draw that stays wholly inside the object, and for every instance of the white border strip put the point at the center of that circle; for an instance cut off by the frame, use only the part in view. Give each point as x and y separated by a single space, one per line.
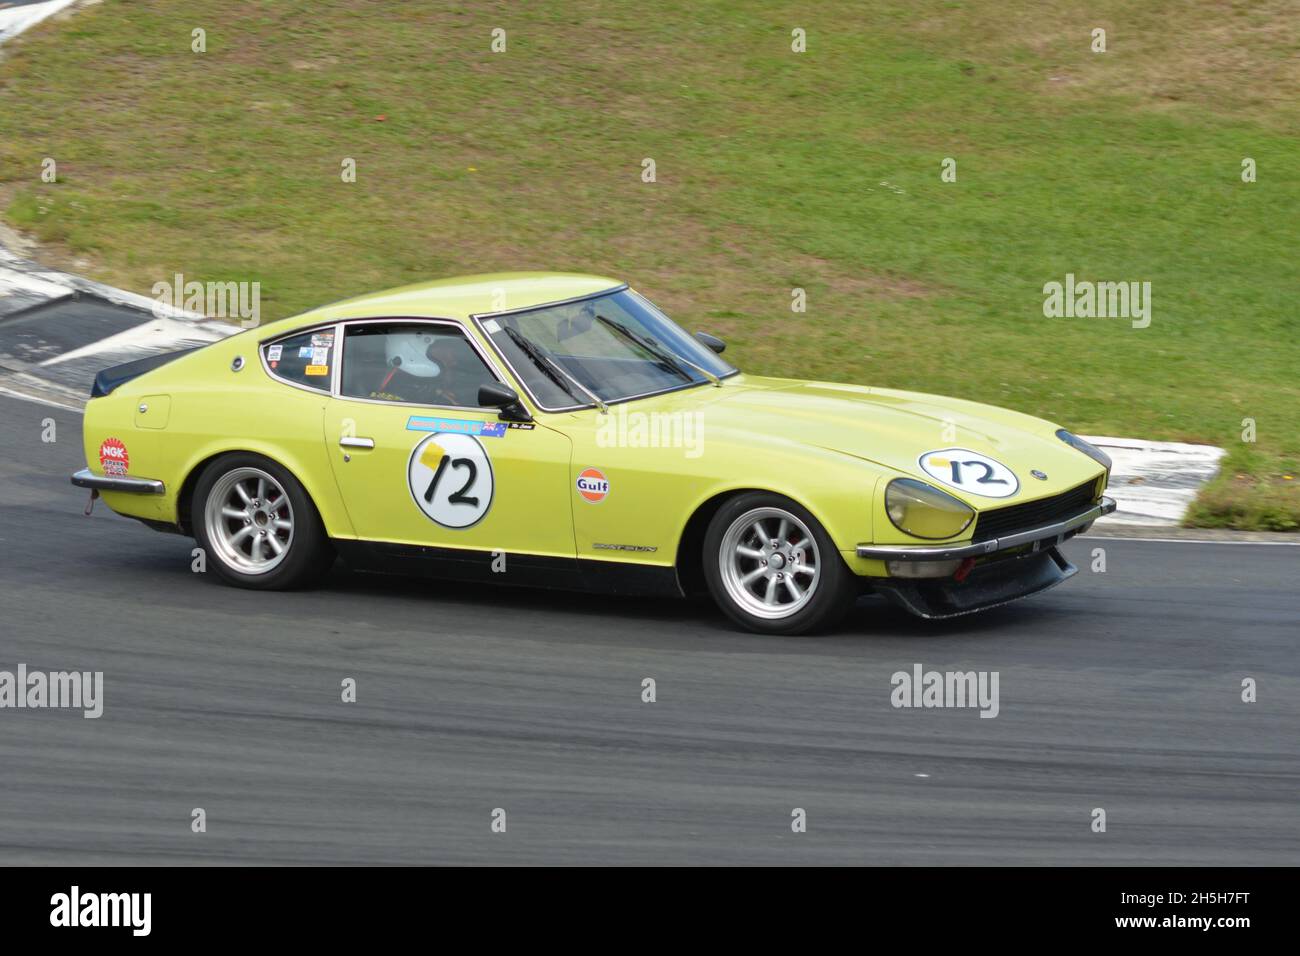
14 20
1125 537
23 396
1155 482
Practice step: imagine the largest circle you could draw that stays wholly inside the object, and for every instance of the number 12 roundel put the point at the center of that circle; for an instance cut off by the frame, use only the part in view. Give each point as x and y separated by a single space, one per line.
450 477
971 472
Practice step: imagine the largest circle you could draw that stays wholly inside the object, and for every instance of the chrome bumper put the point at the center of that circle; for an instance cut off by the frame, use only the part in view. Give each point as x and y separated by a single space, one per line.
135 486
1053 533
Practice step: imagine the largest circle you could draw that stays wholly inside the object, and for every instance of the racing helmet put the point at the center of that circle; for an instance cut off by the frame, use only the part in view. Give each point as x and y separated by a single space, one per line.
412 352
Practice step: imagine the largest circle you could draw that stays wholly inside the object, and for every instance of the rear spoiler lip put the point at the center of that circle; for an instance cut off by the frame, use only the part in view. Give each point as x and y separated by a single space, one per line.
109 379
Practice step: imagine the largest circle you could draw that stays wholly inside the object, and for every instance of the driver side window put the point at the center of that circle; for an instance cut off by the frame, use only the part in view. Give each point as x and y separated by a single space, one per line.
418 363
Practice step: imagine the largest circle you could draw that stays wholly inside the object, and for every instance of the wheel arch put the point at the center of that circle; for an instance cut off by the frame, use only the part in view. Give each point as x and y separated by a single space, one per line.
690 544
185 497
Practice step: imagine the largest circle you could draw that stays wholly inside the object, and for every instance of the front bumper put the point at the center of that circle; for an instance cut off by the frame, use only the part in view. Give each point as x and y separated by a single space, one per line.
135 486
1044 536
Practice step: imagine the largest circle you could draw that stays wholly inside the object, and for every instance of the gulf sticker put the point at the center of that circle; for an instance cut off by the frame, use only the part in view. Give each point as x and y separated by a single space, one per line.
593 485
317 370
113 458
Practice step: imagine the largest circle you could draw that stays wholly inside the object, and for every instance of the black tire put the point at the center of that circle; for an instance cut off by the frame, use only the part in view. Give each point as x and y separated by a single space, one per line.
306 550
836 587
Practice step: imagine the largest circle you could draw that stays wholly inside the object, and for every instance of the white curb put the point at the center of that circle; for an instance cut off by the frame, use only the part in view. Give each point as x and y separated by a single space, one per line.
1155 482
26 287
23 278
14 20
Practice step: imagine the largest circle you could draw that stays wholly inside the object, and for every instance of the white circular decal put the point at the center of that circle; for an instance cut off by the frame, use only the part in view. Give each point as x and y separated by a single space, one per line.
450 477
971 472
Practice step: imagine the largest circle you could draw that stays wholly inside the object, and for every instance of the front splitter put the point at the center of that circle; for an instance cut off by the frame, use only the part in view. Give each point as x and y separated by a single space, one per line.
987 586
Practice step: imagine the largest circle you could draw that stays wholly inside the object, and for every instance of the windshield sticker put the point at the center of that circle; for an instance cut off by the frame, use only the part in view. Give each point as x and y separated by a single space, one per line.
971 472
458 426
305 351
317 369
491 326
450 479
320 339
593 485
273 353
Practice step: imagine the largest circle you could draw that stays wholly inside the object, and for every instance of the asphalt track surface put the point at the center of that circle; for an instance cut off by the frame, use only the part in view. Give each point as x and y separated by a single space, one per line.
1118 690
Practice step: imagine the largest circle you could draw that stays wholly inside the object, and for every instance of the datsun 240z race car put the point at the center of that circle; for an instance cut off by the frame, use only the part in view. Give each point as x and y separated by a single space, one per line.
510 428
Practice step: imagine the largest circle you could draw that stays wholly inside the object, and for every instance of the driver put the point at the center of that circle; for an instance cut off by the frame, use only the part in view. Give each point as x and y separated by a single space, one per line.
415 373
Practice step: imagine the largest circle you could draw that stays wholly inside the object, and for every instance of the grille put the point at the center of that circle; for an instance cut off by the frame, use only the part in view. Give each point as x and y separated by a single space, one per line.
1033 514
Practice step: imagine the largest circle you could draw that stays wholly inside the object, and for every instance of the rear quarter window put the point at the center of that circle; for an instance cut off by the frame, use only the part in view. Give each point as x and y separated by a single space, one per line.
306 359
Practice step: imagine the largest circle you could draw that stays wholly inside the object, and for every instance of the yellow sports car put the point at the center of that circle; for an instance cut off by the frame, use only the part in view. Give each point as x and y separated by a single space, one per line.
558 430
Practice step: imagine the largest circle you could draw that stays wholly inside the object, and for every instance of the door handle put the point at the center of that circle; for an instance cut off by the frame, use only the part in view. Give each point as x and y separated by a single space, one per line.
357 442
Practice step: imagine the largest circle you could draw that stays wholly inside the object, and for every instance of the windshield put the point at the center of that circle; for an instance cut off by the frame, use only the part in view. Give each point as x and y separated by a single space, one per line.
613 346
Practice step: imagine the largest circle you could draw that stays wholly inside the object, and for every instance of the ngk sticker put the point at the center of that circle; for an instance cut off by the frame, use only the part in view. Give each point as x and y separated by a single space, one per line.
113 459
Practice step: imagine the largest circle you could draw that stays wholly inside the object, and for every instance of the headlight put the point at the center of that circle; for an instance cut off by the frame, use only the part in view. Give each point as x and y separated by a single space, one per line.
924 511
1089 449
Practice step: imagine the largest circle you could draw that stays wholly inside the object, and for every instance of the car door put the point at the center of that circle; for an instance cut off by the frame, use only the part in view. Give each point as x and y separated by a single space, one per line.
419 463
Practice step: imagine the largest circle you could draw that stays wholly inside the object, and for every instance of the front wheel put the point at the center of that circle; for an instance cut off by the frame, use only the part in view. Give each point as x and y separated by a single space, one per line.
772 568
257 524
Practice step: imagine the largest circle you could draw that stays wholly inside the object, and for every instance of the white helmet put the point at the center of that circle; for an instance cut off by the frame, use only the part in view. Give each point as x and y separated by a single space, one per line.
409 351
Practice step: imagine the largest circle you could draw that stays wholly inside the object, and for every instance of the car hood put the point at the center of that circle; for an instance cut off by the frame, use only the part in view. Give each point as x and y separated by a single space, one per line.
896 428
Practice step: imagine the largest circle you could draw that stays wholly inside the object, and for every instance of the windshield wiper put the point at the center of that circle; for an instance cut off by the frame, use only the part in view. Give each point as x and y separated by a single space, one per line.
666 358
552 369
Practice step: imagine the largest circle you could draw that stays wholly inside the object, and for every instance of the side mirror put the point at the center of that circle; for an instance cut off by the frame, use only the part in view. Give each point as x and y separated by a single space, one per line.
505 398
711 341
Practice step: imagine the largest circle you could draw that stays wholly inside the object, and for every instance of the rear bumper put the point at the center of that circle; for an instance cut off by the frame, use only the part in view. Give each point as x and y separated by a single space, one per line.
135 486
1044 536
988 585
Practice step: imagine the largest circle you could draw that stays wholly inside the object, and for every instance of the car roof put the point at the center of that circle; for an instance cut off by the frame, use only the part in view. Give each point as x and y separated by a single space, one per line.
462 296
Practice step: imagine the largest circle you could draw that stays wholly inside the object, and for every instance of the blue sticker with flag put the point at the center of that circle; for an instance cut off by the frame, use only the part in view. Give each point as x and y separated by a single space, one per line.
457 426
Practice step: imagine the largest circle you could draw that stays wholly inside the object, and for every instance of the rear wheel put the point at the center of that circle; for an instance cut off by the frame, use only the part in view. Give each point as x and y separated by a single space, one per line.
772 568
257 525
